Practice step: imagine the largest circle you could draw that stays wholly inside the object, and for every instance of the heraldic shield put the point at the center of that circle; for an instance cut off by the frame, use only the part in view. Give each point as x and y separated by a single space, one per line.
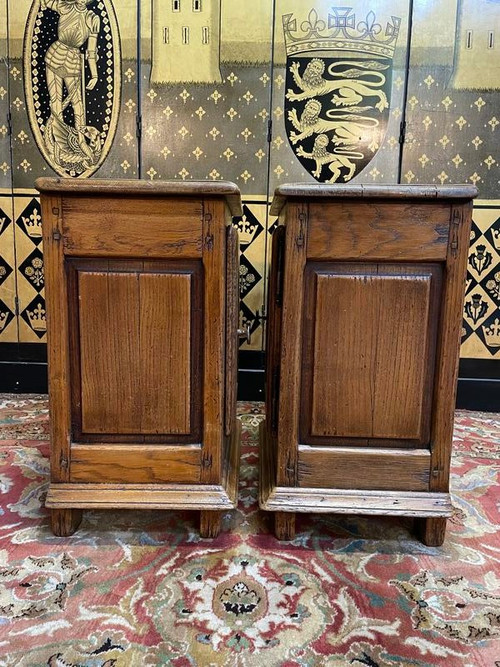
338 81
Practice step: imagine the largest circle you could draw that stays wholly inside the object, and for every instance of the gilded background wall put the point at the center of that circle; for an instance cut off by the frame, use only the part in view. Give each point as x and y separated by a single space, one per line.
208 89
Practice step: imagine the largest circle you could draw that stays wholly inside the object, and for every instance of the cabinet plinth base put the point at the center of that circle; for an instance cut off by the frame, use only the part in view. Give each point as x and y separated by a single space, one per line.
64 499
430 507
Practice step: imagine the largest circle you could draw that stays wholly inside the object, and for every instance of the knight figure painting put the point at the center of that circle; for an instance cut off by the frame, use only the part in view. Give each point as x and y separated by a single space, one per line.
338 81
72 82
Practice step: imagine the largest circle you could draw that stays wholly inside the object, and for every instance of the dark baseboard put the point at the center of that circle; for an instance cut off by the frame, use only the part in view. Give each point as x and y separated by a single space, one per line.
23 370
251 378
479 385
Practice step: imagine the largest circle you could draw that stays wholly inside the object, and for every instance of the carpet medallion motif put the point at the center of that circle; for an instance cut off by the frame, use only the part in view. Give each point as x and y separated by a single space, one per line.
140 589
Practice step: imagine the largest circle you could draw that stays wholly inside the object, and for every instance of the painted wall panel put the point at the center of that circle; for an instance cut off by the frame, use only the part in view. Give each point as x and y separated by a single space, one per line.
212 75
205 106
72 113
338 84
453 137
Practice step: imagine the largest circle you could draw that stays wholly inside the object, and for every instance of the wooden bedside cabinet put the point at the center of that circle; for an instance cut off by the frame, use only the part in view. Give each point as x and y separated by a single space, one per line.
142 309
365 314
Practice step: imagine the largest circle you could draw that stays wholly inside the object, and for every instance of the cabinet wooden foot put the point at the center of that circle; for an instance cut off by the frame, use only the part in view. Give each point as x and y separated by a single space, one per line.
210 521
284 525
431 531
64 522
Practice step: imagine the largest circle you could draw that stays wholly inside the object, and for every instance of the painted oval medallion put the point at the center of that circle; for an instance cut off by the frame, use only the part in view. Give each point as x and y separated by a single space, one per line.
72 80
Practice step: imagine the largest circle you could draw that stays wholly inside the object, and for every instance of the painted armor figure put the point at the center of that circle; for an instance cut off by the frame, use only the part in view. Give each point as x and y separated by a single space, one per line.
78 147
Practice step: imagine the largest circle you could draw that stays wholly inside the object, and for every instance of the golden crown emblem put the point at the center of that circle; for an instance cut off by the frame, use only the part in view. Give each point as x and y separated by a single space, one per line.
340 32
33 224
37 318
492 333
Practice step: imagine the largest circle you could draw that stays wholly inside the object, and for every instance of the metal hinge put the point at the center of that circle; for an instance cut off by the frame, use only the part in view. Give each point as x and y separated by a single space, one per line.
16 305
209 237
138 126
269 131
300 240
9 123
56 235
402 132
455 225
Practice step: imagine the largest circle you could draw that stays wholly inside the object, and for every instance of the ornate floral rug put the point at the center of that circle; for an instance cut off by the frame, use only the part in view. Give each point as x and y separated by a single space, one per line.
140 589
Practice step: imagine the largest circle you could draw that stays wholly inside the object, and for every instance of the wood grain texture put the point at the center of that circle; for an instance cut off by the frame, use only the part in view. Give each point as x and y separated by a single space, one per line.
276 498
139 302
378 230
284 525
58 339
431 531
134 227
109 344
360 319
142 188
319 192
165 364
139 496
364 468
65 522
137 464
291 338
448 347
231 468
214 301
378 329
210 522
273 327
164 353
232 318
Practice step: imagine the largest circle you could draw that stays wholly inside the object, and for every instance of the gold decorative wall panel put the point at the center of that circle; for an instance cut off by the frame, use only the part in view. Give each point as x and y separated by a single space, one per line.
8 287
212 96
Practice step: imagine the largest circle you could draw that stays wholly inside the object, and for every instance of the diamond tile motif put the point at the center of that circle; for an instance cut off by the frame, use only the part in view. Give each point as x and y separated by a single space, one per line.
33 270
6 316
35 317
482 289
5 270
30 221
4 222
489 332
249 276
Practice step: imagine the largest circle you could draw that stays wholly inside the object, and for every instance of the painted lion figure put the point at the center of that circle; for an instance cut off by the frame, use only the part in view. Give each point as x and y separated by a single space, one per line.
348 130
348 90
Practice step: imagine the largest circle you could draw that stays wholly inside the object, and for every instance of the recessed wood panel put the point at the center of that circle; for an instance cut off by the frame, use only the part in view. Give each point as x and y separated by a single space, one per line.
378 230
369 352
139 368
114 227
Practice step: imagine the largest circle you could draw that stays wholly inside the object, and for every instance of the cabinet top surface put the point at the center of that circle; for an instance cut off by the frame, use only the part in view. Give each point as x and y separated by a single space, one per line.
141 188
326 191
